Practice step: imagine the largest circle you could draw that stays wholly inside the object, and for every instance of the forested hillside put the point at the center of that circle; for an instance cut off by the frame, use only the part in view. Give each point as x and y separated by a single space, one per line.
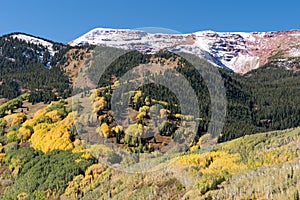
32 67
261 100
45 152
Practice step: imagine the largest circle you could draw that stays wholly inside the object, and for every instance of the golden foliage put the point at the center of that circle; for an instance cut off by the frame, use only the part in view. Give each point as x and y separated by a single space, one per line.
83 183
40 113
15 118
178 115
2 157
74 185
137 95
117 129
99 104
79 148
30 122
141 115
144 109
54 116
95 169
24 133
69 120
147 101
213 162
142 112
48 137
104 130
224 162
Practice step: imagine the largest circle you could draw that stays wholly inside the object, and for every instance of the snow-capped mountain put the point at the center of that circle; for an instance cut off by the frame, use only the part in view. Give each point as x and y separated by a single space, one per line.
238 51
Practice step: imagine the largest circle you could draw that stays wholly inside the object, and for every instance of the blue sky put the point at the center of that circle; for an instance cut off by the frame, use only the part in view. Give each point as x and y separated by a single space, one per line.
63 21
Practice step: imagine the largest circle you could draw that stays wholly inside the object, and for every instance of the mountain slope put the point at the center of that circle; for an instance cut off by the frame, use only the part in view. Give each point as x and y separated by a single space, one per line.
261 166
31 64
241 52
261 100
49 48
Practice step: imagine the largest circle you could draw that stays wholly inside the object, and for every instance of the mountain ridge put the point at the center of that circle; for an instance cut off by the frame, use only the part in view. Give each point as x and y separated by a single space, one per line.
238 51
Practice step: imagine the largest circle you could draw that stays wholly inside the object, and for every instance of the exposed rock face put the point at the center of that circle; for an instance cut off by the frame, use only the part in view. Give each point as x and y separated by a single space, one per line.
238 51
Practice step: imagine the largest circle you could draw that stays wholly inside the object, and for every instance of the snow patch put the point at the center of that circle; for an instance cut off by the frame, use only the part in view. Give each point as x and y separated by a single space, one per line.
243 63
247 36
36 41
294 52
